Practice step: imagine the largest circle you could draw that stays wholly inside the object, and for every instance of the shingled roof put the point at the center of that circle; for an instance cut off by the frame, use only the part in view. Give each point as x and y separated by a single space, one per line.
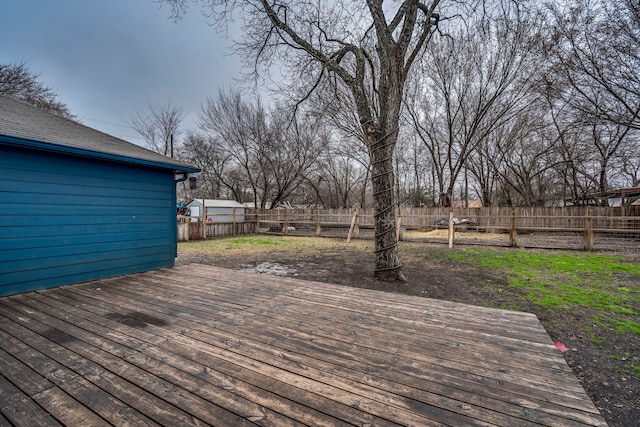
24 125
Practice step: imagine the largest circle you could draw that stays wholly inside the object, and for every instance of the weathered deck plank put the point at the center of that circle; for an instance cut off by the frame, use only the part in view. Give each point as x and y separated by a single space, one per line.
199 345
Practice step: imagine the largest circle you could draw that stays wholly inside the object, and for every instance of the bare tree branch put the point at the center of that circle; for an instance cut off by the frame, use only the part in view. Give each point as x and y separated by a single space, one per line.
17 82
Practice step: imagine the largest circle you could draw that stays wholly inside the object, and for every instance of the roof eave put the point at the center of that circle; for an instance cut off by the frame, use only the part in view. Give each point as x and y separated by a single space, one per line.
61 149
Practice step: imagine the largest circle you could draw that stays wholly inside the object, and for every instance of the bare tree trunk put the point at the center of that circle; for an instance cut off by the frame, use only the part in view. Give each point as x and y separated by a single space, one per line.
381 147
373 65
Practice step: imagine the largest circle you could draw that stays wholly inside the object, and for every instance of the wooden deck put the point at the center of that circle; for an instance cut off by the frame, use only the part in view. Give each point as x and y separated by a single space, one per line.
199 345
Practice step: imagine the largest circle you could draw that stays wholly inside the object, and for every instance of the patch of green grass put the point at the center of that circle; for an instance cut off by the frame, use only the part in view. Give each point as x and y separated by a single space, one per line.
598 321
256 244
509 306
597 341
569 280
627 364
627 325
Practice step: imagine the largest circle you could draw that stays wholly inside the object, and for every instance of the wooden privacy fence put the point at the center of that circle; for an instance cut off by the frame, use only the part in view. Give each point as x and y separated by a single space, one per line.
586 228
197 228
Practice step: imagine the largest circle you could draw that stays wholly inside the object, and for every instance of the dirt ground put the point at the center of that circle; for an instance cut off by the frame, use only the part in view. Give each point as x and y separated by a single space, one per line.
615 391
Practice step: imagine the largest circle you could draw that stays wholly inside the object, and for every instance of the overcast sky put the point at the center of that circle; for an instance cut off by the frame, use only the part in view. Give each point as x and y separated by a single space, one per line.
107 59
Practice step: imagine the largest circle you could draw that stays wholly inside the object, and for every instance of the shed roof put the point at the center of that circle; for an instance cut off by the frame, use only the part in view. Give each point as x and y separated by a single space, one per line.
214 203
27 126
618 192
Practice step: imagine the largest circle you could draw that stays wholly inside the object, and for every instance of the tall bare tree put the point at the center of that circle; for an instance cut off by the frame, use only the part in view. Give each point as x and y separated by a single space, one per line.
596 48
629 162
17 82
261 152
365 49
216 181
160 127
479 79
348 149
241 131
525 160
593 55
338 179
414 186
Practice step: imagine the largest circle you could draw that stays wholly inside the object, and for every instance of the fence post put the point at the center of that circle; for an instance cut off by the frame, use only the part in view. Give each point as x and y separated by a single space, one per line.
398 225
353 224
513 231
257 214
204 221
318 227
233 220
183 229
285 229
588 231
451 229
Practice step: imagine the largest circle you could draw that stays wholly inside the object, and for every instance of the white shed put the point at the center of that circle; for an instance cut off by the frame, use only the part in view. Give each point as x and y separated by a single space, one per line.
217 210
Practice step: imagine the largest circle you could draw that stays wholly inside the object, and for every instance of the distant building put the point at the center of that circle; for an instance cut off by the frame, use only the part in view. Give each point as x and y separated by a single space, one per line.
615 198
475 203
217 210
622 196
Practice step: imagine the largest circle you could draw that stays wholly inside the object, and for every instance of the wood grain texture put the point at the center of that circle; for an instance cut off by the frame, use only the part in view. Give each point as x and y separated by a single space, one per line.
200 345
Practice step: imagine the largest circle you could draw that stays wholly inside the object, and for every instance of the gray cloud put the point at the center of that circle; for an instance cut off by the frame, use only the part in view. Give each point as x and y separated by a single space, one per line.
107 59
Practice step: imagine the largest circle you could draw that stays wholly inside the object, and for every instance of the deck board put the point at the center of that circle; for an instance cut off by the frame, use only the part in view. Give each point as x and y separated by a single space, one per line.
200 345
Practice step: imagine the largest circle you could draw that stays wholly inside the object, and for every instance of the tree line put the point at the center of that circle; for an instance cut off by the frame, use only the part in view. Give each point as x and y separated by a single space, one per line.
539 107
528 111
416 103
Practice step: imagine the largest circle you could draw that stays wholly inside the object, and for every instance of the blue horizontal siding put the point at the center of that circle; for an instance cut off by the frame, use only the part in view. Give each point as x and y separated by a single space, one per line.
58 209
44 190
74 230
22 258
63 175
41 241
67 220
45 219
21 270
75 200
98 270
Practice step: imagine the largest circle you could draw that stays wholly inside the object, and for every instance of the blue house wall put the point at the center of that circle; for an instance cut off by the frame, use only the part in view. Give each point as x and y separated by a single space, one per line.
68 219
